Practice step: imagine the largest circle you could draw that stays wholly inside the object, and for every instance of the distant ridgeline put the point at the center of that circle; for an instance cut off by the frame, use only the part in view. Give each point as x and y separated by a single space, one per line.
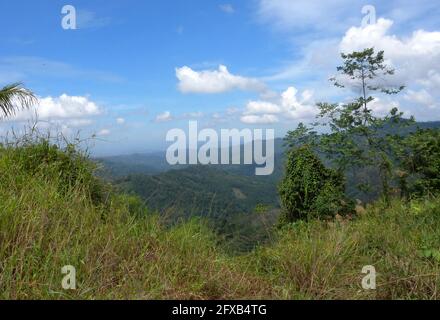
213 190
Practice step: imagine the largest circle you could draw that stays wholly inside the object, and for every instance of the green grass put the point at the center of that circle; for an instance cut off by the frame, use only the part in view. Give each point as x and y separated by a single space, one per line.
323 260
54 212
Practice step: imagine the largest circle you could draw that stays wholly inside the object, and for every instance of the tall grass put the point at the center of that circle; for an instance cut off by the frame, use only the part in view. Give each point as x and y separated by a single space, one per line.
49 219
324 260
54 212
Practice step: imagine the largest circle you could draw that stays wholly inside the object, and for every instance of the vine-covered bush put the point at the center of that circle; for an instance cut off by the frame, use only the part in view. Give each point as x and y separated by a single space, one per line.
310 190
422 160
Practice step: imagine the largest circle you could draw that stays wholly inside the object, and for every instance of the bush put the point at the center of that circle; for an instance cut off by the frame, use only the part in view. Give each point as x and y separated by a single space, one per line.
422 160
71 167
311 190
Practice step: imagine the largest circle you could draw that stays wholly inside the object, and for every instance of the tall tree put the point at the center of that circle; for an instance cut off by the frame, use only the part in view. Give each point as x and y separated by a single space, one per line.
356 139
13 97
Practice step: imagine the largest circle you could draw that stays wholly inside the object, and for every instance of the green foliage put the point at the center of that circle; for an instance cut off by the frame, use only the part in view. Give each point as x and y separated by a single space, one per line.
309 189
356 139
70 167
199 191
225 199
12 93
422 160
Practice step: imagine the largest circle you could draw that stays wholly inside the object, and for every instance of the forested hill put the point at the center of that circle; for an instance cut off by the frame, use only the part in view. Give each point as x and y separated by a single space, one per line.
202 190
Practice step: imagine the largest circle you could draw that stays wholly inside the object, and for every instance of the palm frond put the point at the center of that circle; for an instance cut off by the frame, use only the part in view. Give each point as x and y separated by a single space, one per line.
13 97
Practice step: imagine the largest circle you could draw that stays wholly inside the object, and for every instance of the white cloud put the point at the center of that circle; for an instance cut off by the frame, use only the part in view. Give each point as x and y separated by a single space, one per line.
421 97
262 107
120 120
164 117
382 106
214 81
259 119
104 132
298 109
416 58
63 107
287 105
227 8
432 81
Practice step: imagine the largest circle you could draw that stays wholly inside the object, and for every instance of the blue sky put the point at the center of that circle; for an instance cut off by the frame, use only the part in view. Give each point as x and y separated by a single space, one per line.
134 69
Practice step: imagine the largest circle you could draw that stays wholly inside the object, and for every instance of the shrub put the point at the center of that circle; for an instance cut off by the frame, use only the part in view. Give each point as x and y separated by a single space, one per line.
309 189
71 167
422 160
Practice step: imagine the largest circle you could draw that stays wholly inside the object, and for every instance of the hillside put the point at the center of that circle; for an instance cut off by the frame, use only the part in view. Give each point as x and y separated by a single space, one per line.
54 212
124 165
201 191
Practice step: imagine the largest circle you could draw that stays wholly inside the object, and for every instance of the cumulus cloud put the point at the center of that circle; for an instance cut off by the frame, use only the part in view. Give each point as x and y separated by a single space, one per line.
164 117
214 81
382 106
58 108
416 58
120 120
262 107
259 119
288 105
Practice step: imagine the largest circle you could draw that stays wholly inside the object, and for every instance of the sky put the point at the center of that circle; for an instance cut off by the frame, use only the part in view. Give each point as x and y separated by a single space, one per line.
132 69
